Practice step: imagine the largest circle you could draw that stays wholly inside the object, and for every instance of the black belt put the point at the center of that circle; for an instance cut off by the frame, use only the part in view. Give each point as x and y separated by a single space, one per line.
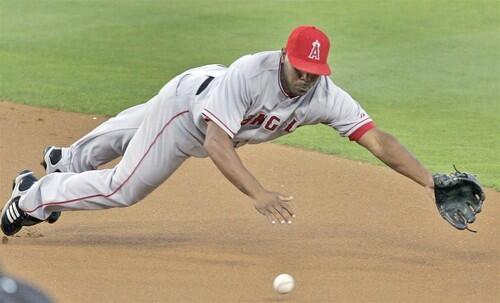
204 85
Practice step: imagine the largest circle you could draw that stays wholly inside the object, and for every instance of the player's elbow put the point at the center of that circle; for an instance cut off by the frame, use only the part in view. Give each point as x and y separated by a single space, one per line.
216 139
372 140
378 142
210 145
214 145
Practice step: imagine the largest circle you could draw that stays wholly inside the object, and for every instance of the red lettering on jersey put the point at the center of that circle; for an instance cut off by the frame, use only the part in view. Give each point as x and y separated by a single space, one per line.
246 120
259 119
272 123
290 127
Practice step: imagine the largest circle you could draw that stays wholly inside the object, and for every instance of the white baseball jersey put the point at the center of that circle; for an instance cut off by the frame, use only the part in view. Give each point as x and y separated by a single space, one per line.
246 100
250 105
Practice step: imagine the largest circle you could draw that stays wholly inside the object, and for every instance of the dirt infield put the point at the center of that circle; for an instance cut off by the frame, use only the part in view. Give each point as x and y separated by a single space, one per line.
362 233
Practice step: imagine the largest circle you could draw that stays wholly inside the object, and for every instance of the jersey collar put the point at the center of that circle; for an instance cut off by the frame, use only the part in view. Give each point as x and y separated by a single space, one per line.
280 66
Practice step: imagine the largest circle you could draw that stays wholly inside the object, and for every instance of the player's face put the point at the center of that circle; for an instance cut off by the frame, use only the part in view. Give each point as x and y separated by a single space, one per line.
296 81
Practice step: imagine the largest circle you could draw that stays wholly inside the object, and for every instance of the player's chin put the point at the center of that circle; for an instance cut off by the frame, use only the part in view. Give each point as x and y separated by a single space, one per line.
301 91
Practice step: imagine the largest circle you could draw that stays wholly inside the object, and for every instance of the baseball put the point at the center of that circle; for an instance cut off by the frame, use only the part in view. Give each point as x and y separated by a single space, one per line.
283 283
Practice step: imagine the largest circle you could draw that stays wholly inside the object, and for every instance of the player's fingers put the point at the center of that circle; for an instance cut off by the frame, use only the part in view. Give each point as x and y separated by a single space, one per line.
262 211
276 215
270 217
288 207
284 215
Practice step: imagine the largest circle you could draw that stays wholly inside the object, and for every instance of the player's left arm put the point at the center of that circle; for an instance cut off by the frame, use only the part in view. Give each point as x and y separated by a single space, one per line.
390 151
346 115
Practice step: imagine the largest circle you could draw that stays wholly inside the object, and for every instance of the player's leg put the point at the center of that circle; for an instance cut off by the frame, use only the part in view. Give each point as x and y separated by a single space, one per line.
156 150
105 143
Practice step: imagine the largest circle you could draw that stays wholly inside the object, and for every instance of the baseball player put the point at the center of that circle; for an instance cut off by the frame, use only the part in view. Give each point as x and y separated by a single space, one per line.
205 111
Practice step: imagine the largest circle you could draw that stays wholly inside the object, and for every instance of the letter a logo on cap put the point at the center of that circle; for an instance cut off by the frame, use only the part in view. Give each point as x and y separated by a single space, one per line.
314 54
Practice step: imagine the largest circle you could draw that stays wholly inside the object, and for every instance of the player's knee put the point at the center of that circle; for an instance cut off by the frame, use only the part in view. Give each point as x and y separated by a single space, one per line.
129 200
126 202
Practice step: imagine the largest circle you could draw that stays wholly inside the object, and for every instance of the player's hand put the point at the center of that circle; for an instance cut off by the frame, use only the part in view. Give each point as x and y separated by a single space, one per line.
275 206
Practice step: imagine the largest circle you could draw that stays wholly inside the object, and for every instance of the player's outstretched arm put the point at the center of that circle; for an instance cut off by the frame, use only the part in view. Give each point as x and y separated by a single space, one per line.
459 196
388 149
275 206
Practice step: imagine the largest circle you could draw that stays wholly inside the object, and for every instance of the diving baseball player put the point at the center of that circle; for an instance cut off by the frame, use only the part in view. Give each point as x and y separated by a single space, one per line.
205 111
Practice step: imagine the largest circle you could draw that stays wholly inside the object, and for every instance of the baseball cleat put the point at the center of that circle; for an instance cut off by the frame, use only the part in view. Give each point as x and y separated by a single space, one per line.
51 157
54 216
13 218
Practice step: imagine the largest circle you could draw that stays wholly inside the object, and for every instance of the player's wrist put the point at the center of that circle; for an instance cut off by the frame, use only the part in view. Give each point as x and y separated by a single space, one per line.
429 181
258 194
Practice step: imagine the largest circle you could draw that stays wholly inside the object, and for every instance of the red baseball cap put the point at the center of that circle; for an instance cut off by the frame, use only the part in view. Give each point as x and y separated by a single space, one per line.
307 49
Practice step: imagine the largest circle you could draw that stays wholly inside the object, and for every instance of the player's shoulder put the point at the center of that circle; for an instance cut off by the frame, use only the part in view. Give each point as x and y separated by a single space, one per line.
255 64
326 84
326 87
328 92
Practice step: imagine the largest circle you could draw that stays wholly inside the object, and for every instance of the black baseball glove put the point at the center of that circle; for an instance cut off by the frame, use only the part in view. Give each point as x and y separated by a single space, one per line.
459 197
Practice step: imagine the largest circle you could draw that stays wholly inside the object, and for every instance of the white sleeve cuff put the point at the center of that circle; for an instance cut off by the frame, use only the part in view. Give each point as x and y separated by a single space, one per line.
210 116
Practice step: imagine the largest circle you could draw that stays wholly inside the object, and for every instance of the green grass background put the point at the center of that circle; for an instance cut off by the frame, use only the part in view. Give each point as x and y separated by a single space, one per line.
428 71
